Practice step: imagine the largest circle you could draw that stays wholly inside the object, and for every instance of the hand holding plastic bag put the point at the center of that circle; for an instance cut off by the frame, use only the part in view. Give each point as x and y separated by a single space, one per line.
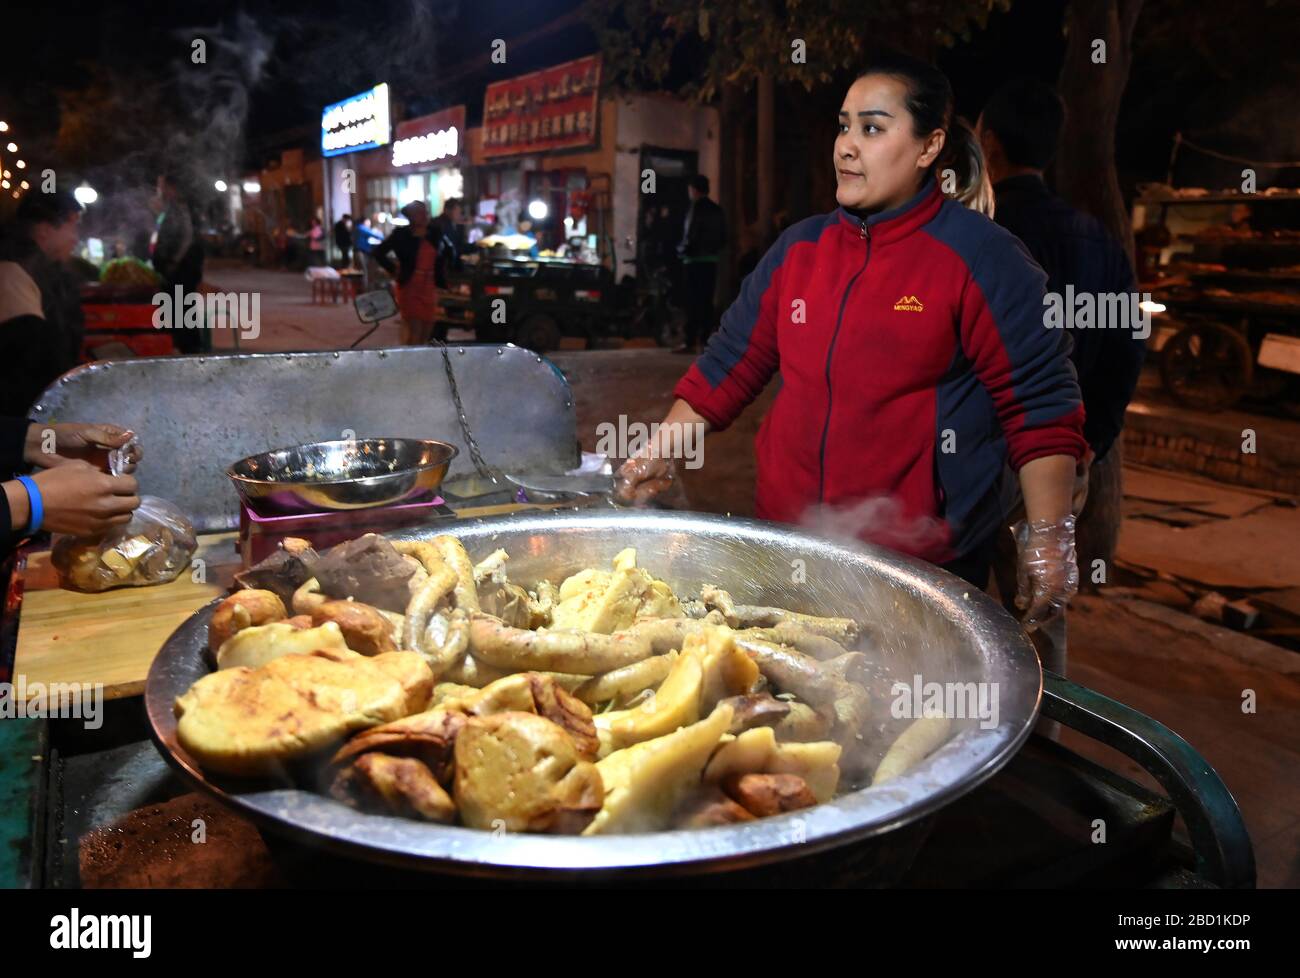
1047 570
153 548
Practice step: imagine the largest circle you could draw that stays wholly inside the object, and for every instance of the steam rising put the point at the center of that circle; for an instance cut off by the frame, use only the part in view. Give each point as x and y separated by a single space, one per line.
876 519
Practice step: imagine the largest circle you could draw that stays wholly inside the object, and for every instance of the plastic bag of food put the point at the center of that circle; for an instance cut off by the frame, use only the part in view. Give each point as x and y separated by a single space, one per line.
151 549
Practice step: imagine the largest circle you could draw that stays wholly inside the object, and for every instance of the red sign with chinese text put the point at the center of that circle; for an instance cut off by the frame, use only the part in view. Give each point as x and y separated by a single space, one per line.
555 108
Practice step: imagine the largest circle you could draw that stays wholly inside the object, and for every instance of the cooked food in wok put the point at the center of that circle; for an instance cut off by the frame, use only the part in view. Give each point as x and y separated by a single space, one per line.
407 679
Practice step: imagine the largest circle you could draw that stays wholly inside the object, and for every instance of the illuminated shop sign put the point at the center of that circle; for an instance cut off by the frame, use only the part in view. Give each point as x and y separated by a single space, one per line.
556 108
430 138
359 122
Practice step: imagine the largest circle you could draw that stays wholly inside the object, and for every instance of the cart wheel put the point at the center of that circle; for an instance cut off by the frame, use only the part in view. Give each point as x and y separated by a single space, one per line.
1207 366
539 333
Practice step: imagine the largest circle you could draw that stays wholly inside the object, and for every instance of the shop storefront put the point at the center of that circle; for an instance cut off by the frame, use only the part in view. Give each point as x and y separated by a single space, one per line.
425 162
353 131
570 164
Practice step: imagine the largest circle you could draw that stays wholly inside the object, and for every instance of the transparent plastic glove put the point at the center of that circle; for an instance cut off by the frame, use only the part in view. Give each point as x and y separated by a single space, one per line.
649 482
1047 571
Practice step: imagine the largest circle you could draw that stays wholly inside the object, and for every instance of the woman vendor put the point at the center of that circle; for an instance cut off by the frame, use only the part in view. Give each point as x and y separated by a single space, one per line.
915 363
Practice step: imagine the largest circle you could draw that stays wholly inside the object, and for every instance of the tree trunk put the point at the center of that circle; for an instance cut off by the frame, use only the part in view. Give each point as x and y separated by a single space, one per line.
731 186
766 159
1085 167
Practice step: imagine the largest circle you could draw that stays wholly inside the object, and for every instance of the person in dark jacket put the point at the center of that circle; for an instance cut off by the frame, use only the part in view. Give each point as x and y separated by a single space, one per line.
915 367
343 238
704 234
71 490
1019 130
418 270
41 323
451 231
178 257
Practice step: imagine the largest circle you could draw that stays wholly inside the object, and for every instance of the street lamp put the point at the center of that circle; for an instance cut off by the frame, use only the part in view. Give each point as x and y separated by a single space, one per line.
537 210
221 186
85 194
252 187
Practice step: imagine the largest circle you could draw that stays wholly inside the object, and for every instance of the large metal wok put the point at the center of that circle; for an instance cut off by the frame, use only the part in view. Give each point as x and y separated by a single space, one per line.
937 626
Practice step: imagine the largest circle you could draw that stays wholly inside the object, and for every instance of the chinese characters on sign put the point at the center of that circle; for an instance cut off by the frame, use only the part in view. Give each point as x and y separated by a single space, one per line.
551 109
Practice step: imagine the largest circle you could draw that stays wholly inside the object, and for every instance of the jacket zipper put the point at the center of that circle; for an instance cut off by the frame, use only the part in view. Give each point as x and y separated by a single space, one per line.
865 233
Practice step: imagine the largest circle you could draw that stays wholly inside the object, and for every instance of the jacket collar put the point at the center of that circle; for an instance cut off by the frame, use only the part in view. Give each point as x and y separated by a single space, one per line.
902 220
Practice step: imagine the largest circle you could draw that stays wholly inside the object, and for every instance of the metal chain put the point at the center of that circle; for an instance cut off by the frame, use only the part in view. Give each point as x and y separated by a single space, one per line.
475 455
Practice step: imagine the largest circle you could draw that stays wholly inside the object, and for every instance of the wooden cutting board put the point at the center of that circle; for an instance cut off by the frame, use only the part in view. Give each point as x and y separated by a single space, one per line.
112 637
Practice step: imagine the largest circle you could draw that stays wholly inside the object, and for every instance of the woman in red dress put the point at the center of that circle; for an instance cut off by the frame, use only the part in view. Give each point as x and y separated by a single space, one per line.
417 270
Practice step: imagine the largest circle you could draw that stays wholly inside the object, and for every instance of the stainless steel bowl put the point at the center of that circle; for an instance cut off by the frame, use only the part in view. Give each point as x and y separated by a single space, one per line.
928 622
340 475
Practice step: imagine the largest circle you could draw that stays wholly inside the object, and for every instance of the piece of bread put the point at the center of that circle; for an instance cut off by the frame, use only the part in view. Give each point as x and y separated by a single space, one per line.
243 609
255 647
250 722
521 773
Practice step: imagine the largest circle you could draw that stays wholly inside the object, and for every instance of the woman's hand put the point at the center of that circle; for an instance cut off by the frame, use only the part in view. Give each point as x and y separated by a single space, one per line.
75 441
651 474
1047 571
83 500
640 480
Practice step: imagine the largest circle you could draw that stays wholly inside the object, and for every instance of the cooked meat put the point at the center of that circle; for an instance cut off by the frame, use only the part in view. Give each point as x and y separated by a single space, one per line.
429 737
533 692
756 710
768 794
364 628
564 709
282 572
709 807
506 601
521 773
251 721
243 609
365 569
389 785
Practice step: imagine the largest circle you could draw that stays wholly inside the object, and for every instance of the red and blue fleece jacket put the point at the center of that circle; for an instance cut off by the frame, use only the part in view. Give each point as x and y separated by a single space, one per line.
915 365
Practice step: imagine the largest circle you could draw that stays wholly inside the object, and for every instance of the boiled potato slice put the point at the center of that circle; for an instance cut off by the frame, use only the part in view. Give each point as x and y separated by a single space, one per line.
757 751
645 783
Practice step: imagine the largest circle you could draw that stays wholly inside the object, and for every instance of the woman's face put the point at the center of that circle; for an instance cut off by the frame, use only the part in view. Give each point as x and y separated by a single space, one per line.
879 162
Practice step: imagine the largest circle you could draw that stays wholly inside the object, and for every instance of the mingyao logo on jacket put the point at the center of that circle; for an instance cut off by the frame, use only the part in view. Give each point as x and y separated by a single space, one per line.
909 303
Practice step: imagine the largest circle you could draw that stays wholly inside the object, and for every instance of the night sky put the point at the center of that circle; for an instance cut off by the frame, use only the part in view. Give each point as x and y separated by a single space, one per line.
122 75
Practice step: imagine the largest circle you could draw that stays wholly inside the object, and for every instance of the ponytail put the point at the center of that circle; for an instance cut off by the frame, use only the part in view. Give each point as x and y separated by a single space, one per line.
962 172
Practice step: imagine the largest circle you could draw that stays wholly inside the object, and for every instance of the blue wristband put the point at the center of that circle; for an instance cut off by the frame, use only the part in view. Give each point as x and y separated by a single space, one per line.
34 503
